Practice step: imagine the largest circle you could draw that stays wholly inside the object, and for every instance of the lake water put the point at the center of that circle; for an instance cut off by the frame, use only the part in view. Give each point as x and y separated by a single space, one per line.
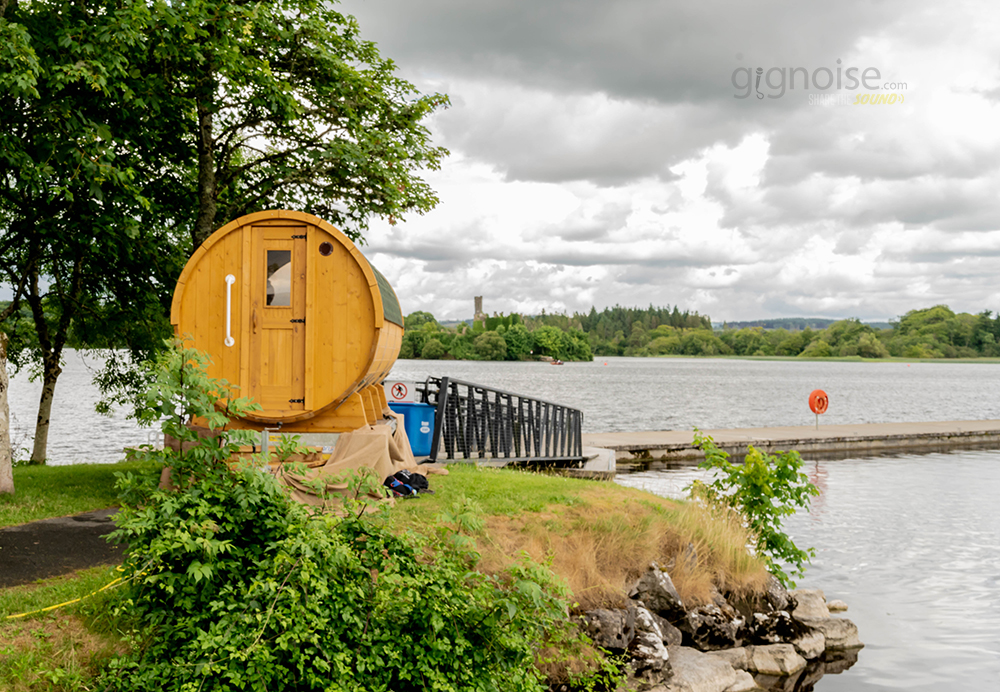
615 395
911 543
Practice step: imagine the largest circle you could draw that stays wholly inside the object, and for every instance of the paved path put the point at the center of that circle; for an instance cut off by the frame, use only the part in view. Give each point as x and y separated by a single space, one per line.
51 547
827 439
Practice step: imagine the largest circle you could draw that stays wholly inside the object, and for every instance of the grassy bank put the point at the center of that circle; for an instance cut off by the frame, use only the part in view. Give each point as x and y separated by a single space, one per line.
41 492
596 536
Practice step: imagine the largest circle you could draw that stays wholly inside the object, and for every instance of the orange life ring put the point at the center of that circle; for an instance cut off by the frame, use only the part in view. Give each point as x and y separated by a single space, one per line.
818 401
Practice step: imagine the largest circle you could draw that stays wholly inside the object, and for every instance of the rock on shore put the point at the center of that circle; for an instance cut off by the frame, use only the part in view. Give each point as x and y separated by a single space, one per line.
785 640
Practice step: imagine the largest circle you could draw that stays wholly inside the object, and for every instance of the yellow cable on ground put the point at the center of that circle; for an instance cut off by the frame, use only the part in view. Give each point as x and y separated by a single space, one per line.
75 600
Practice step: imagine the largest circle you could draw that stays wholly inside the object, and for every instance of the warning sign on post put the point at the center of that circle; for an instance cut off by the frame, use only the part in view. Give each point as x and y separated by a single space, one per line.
401 391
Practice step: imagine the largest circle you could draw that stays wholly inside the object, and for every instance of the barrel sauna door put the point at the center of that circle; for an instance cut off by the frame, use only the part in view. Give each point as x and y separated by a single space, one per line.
277 317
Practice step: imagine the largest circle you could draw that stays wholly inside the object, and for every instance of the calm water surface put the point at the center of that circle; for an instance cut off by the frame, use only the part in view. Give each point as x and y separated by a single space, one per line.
628 394
912 544
615 394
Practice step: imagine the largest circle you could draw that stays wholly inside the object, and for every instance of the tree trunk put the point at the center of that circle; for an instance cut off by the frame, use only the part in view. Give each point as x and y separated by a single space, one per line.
6 458
50 373
207 205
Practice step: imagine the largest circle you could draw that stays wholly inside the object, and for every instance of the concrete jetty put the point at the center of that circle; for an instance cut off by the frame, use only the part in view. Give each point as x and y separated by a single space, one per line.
662 449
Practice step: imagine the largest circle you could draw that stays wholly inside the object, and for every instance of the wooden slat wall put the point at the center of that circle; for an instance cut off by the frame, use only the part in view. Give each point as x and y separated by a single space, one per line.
348 346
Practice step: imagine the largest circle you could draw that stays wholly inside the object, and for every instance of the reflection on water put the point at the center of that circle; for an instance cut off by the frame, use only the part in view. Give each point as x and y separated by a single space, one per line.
912 544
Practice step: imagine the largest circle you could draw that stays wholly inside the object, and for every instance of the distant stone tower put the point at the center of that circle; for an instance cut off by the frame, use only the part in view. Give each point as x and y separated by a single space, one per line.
480 316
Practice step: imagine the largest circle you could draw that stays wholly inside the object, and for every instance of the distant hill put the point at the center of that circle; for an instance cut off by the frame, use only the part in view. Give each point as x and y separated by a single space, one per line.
793 324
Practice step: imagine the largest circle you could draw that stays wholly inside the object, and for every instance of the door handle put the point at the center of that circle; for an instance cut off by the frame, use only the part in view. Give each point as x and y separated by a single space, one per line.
253 320
230 280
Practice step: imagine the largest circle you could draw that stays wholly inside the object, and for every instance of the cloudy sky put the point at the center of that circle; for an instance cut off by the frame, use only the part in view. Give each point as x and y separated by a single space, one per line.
624 152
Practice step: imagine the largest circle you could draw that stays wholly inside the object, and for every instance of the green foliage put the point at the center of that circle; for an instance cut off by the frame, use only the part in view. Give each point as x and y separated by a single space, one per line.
82 243
296 110
133 129
817 349
495 323
702 342
518 342
763 489
490 346
419 319
236 587
432 350
564 345
935 332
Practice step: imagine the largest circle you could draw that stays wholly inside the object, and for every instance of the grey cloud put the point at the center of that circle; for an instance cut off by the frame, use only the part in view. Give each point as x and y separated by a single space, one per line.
548 141
619 92
638 49
582 227
927 201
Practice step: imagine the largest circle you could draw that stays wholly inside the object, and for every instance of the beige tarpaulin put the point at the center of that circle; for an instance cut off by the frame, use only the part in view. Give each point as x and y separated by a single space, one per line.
374 447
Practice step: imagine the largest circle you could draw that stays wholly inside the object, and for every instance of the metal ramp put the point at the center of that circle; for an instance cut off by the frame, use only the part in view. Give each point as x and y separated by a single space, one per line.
492 427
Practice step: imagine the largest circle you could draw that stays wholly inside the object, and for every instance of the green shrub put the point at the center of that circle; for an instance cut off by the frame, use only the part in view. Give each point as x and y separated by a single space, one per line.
236 587
518 342
490 346
433 350
763 489
817 349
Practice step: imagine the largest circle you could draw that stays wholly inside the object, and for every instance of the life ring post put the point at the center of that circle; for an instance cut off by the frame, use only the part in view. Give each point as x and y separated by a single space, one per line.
818 403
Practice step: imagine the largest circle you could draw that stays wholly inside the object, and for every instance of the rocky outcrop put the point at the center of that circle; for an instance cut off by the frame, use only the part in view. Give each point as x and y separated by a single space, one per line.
780 640
775 659
839 633
810 603
656 590
710 627
650 658
612 630
836 606
695 671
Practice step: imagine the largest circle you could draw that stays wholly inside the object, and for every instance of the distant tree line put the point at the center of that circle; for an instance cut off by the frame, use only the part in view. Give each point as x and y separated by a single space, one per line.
580 336
793 323
935 332
503 337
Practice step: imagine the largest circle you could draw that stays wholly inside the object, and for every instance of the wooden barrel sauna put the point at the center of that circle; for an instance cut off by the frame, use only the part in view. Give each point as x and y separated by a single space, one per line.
293 314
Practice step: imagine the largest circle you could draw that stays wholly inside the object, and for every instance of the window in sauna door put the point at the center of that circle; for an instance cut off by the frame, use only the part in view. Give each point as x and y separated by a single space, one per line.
279 278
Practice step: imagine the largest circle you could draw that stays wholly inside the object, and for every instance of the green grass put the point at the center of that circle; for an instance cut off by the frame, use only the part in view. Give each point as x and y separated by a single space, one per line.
497 491
49 592
597 536
60 649
41 492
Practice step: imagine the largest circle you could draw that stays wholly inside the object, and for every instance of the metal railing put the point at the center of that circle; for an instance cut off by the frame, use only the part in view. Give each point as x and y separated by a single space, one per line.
474 422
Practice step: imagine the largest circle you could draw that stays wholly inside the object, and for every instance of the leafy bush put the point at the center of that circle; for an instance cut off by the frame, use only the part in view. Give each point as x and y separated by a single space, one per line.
518 342
763 489
490 346
236 587
817 349
432 350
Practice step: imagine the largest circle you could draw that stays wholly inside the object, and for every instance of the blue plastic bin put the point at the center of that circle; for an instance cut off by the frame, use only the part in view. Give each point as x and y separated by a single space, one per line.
418 421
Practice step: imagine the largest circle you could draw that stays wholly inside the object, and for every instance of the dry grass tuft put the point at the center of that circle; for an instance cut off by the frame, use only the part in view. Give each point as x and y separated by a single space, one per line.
605 540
